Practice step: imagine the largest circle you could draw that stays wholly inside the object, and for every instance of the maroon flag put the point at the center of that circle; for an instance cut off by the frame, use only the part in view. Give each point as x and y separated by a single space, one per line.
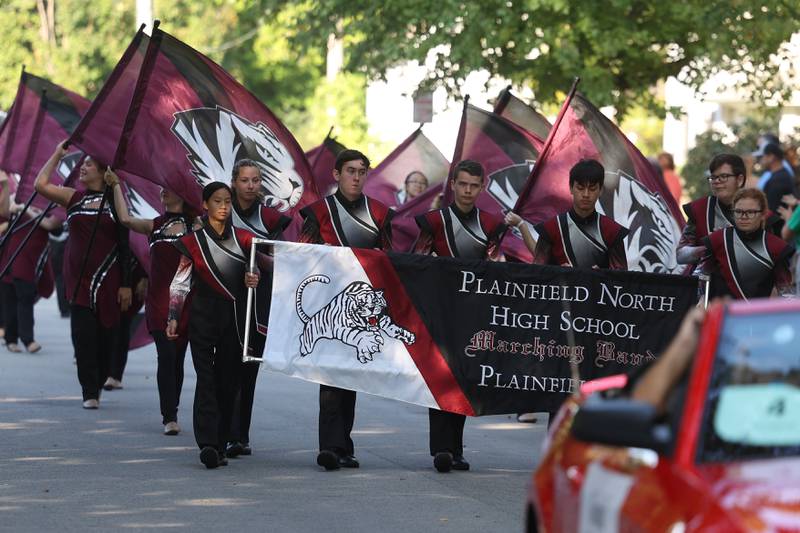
189 121
510 107
322 160
634 195
100 130
507 153
404 229
42 115
386 182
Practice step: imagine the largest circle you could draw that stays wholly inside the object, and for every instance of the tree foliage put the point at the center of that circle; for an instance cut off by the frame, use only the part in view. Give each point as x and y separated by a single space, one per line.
742 139
620 48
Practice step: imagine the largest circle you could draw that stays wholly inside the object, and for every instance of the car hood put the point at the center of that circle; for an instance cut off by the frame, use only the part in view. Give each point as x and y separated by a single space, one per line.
762 495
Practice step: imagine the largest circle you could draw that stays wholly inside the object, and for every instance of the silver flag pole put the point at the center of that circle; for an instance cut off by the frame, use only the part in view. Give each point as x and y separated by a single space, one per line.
706 279
248 320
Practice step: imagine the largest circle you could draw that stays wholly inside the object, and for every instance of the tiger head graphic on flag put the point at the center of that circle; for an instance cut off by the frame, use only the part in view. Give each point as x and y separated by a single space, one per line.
653 233
356 317
216 138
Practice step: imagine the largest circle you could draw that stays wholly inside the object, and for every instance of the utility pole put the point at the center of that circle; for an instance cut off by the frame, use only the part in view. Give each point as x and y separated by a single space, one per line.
144 13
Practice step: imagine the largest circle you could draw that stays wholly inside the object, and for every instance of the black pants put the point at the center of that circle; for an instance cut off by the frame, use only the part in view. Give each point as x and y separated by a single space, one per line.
217 363
18 299
446 432
119 355
57 262
171 355
92 344
243 408
337 412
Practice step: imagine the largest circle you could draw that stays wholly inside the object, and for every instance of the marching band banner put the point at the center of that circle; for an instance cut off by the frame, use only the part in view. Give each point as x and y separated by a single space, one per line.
470 337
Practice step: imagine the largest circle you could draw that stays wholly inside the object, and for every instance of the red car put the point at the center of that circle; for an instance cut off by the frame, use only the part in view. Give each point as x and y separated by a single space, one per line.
724 458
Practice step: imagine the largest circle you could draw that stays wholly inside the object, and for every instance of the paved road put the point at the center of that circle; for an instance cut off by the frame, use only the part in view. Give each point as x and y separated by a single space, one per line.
68 469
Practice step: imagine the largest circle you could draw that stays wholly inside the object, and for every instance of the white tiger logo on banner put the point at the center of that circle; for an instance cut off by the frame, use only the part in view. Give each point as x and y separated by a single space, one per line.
339 331
356 316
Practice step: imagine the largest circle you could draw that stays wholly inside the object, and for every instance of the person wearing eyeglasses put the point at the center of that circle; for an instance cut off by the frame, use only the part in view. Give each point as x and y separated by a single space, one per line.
726 176
744 261
416 183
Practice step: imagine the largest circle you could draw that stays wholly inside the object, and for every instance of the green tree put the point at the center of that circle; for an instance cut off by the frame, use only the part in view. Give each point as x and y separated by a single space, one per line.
71 42
742 139
620 48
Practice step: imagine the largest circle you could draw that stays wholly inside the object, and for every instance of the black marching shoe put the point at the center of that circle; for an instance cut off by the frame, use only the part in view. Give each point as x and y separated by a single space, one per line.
443 461
246 449
234 449
460 464
210 457
348 461
328 460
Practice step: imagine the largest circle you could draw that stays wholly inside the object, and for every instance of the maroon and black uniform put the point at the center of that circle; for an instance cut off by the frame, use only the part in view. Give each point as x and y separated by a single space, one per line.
704 216
95 312
164 258
337 221
213 267
266 223
450 232
581 242
747 265
29 276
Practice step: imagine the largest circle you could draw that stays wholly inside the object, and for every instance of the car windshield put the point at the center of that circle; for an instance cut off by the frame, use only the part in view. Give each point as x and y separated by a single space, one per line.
753 408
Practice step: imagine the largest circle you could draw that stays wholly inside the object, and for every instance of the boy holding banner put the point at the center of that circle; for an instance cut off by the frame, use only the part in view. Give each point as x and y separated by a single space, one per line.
581 237
344 218
458 230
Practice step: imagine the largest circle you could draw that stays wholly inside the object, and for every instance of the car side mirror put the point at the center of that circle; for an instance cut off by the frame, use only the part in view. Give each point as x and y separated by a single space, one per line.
621 422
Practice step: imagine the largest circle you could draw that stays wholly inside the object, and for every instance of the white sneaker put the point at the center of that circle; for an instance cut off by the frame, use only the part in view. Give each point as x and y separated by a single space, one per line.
112 384
171 428
91 404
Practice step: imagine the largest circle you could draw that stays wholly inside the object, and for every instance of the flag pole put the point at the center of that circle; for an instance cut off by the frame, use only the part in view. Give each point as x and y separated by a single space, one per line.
141 82
32 148
91 242
458 151
502 100
36 222
548 142
248 320
537 165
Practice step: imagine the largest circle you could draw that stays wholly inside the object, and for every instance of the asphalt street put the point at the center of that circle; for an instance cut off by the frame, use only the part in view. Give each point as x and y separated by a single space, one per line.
68 469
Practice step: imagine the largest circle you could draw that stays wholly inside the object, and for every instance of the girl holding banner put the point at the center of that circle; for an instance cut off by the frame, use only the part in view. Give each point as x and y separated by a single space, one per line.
213 264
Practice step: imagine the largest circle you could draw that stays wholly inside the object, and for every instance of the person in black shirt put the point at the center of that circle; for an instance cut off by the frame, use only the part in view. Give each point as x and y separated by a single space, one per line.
781 181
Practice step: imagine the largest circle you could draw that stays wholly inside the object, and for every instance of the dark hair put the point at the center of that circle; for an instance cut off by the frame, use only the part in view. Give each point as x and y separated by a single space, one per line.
773 149
415 172
670 160
753 194
102 167
587 172
473 168
349 155
770 138
736 163
243 163
213 187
